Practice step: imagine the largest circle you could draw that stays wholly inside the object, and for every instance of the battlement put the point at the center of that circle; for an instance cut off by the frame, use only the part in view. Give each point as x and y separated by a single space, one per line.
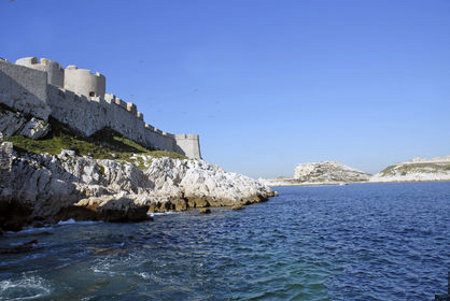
189 136
110 98
75 67
131 107
77 98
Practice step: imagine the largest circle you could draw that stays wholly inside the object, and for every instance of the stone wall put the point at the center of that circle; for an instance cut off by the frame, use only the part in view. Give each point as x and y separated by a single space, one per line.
24 89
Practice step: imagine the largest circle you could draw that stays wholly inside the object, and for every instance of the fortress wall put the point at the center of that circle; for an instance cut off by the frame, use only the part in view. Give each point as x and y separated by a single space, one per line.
83 82
77 111
89 116
126 123
159 141
24 89
190 145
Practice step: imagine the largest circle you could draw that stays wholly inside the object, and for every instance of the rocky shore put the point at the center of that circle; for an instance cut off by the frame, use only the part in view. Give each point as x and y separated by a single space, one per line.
42 188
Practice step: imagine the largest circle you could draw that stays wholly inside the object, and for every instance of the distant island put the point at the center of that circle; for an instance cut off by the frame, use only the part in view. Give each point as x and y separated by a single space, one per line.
336 173
416 170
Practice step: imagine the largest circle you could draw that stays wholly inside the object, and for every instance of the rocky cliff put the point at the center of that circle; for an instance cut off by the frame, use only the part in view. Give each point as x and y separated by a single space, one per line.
37 188
436 169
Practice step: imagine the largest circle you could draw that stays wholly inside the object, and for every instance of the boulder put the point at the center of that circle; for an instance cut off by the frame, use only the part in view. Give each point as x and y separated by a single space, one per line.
238 207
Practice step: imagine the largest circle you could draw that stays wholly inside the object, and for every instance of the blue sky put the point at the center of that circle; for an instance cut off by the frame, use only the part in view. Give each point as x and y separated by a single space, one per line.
266 84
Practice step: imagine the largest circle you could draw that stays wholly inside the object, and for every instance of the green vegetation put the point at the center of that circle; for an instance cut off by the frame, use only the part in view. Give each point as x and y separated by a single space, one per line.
105 144
388 171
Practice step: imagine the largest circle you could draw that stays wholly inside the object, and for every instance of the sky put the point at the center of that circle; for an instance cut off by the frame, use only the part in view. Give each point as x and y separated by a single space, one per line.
267 84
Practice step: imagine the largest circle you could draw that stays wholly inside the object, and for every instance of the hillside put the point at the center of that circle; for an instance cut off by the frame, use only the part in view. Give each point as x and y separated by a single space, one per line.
436 169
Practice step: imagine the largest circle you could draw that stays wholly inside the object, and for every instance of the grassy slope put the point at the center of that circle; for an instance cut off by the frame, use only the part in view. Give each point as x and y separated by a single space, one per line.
101 145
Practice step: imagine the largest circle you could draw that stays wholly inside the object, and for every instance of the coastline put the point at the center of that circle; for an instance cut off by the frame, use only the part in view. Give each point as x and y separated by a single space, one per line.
348 183
36 189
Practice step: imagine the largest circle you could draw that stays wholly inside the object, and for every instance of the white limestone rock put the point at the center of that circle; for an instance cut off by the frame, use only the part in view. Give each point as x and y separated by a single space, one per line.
11 123
69 186
35 129
15 123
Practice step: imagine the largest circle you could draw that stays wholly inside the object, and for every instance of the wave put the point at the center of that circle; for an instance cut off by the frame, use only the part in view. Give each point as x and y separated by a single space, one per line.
25 288
71 221
164 213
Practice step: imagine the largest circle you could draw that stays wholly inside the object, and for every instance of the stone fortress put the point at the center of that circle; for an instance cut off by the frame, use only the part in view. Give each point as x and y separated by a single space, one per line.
77 98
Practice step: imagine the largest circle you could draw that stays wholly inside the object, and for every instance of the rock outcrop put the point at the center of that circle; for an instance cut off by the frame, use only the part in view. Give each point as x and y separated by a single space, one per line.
416 170
14 123
44 187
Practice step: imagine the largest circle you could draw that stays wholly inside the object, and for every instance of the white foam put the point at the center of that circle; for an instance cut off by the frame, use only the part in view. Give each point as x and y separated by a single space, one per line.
71 221
163 213
25 288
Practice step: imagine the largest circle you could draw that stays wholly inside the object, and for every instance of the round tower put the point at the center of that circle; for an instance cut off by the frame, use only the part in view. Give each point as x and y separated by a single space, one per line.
55 73
83 82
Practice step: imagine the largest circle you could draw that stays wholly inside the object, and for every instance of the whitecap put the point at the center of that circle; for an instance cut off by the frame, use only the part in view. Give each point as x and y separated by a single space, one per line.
25 288
163 213
71 221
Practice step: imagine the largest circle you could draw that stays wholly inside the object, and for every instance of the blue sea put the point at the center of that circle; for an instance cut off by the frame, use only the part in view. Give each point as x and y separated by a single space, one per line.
354 242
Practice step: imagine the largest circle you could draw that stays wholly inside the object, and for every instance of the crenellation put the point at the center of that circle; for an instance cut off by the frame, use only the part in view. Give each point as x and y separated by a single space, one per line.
131 107
27 61
148 126
110 98
77 98
122 104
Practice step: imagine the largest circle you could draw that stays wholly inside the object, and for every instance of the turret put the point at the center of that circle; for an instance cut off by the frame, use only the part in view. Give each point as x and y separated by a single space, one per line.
55 73
190 144
83 82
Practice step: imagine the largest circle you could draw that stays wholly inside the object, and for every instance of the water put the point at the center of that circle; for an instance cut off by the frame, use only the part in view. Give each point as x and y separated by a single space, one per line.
355 242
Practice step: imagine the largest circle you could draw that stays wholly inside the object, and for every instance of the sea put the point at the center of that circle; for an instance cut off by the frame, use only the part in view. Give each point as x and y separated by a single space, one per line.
385 241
